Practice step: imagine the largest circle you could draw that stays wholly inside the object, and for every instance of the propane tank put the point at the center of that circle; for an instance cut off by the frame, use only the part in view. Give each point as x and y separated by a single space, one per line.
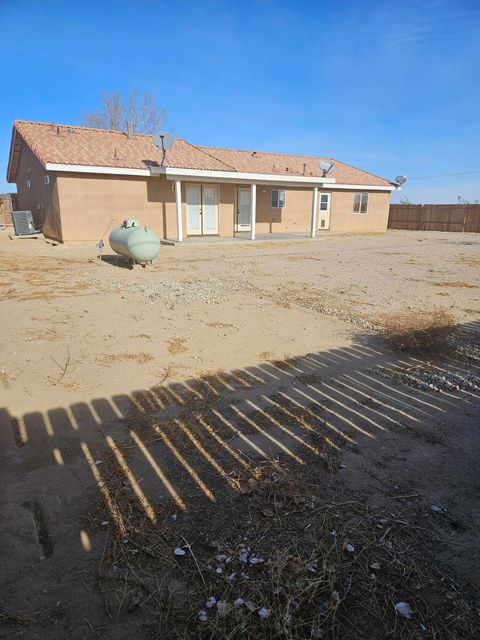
130 240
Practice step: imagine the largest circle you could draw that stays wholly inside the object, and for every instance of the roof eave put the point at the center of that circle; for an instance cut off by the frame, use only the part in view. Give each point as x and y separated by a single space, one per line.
9 177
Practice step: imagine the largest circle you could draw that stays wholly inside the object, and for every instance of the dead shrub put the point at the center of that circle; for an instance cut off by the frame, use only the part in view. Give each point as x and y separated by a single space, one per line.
420 332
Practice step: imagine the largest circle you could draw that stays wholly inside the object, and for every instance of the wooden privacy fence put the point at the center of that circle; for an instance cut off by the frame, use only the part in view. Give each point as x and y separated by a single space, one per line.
435 217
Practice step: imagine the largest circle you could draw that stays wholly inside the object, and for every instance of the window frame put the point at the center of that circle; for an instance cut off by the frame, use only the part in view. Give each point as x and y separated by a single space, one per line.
278 205
361 195
46 178
328 195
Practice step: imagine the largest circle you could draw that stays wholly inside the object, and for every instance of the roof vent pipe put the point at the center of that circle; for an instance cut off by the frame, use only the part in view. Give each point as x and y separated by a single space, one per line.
129 129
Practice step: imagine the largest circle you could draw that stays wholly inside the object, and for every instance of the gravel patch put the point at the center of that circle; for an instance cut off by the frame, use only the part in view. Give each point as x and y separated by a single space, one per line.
420 379
211 290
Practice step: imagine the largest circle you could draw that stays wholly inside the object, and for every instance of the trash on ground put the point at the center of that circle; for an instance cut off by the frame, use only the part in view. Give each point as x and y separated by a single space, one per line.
404 609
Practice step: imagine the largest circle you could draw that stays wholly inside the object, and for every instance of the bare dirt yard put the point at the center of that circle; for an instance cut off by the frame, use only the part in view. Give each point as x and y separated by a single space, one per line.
223 445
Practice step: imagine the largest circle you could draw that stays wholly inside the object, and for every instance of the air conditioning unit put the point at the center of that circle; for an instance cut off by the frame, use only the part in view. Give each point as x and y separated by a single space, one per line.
23 223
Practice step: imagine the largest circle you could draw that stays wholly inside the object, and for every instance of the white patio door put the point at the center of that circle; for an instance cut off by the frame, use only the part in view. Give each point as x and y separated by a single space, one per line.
209 211
324 210
244 210
202 210
194 211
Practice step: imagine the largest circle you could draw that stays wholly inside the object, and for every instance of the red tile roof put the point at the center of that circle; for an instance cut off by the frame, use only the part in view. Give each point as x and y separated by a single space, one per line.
61 144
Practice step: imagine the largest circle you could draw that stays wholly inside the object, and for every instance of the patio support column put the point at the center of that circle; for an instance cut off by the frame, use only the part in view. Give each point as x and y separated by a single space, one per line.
178 200
253 210
313 229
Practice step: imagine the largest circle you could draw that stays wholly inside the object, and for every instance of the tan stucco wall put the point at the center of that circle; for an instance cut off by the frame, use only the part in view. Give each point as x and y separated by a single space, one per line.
342 217
296 215
40 198
92 205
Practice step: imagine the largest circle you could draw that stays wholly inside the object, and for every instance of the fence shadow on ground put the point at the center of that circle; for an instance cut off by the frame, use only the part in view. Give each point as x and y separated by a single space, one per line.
180 440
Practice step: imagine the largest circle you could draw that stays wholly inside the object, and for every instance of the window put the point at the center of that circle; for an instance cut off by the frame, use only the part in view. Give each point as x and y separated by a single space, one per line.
27 184
278 198
46 179
324 201
360 203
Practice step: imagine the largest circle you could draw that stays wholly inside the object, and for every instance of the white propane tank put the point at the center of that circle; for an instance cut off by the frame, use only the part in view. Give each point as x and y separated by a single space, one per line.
130 240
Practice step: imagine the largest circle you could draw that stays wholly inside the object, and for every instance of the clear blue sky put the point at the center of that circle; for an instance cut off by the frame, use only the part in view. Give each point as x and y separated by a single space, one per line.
392 87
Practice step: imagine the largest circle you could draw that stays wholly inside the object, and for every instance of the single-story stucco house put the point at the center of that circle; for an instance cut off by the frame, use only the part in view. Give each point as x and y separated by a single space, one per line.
79 182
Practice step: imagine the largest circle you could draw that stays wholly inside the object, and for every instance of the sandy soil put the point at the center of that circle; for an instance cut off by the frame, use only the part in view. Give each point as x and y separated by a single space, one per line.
89 346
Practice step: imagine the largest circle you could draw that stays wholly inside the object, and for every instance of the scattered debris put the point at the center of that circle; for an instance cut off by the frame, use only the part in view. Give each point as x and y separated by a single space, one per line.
223 608
404 609
179 551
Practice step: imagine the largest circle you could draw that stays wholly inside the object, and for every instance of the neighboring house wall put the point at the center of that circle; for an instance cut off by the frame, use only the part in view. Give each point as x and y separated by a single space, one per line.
40 198
7 205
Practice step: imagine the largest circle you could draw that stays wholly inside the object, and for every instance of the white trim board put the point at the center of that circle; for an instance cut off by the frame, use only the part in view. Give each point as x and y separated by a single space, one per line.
173 173
364 187
83 168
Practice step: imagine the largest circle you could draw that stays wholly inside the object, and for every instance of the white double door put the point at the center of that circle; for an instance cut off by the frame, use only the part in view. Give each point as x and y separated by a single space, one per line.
202 210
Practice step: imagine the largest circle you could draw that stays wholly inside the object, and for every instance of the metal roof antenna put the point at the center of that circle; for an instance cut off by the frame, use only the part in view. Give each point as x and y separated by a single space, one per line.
164 141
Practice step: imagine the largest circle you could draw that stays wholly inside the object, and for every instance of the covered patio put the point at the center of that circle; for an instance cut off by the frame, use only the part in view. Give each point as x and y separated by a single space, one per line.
198 203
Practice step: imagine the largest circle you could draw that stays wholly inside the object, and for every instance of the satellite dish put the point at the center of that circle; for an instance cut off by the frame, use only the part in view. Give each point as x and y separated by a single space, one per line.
326 167
401 179
164 140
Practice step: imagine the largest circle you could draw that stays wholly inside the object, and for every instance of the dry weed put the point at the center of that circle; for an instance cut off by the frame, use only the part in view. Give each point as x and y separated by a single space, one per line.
421 332
457 284
110 358
176 345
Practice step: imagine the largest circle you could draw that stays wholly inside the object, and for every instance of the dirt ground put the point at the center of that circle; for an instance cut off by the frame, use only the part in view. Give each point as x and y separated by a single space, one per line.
149 409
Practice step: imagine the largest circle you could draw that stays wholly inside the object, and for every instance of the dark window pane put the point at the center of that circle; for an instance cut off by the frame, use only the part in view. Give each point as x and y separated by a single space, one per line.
356 202
364 203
